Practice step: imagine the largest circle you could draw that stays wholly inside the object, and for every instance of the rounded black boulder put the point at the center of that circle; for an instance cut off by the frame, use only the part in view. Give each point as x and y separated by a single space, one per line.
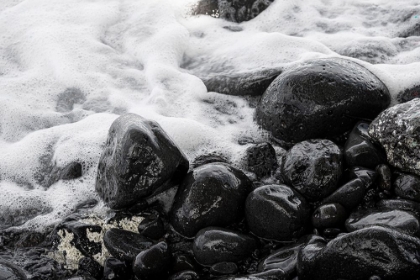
313 168
213 194
320 99
214 245
374 251
276 212
139 160
153 263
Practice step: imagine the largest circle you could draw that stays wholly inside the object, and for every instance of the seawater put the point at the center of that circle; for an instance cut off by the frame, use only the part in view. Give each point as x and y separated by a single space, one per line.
69 68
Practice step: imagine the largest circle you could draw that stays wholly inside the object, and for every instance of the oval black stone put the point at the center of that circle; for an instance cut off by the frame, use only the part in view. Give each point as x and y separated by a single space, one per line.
224 268
153 263
276 212
349 195
330 215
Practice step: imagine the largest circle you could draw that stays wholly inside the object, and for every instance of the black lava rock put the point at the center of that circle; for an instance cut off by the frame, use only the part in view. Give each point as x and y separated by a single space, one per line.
213 245
320 98
409 94
211 195
313 168
408 187
185 275
125 245
10 271
330 215
400 204
397 219
374 251
152 227
139 160
383 178
153 263
276 212
397 129
115 269
89 267
261 159
359 149
224 268
349 195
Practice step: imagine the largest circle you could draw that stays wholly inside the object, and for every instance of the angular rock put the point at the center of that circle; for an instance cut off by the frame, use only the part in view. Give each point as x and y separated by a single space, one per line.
330 215
261 159
313 168
276 212
211 195
397 129
214 245
408 187
139 160
153 263
374 251
396 219
125 245
320 98
360 151
10 271
349 195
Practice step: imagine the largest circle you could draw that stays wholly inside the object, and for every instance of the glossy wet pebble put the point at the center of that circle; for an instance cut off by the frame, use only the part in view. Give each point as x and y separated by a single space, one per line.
224 268
349 195
185 275
151 227
313 168
153 263
115 269
320 98
139 160
211 195
276 212
214 245
330 215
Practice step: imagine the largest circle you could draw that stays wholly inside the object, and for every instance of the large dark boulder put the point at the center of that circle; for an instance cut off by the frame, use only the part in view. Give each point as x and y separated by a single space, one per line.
214 245
320 98
213 194
375 251
276 212
397 129
313 168
139 160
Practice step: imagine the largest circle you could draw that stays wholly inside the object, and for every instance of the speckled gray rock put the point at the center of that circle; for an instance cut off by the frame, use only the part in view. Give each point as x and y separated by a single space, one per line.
139 160
397 129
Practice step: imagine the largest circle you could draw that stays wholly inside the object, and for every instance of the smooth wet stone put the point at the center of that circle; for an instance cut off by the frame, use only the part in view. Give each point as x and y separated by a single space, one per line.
383 178
273 274
153 263
379 251
284 258
397 219
276 212
125 245
208 158
9 271
139 160
400 204
236 11
330 215
261 159
152 227
185 275
211 195
397 129
214 245
320 98
224 268
89 267
408 186
243 83
183 262
349 195
409 94
359 149
115 269
367 176
313 168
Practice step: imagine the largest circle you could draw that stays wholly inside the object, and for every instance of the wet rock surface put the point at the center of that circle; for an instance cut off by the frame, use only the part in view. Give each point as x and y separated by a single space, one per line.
276 212
374 251
349 195
261 159
139 160
313 168
320 99
330 215
408 187
409 94
211 195
397 129
153 263
215 245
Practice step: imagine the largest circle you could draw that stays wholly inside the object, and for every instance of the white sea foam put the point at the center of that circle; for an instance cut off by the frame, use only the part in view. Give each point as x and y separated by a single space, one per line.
68 68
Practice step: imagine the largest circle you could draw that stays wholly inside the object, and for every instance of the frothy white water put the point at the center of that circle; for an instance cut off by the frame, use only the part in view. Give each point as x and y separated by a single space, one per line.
68 68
